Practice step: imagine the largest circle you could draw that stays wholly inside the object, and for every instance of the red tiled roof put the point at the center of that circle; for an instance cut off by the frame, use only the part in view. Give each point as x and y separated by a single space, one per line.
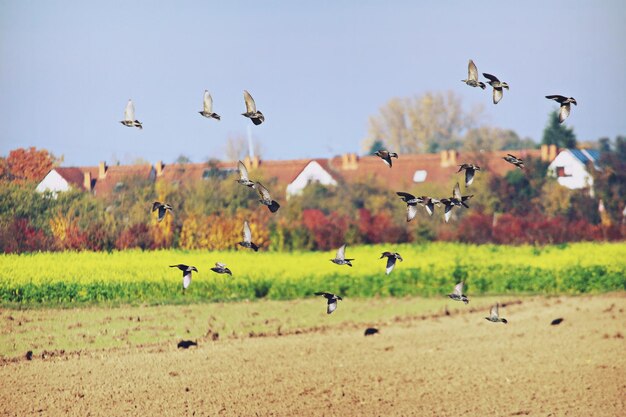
117 174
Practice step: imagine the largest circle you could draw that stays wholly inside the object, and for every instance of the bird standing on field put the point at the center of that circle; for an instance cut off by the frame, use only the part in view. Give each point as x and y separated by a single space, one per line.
472 76
251 112
220 268
247 238
470 171
266 198
512 159
129 116
243 175
565 105
497 87
340 258
457 294
162 207
386 156
494 317
186 273
332 301
207 110
391 260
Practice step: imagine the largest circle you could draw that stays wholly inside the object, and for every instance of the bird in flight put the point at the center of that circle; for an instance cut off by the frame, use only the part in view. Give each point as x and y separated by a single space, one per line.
497 87
565 103
129 116
247 238
391 260
340 258
472 76
162 208
220 268
470 171
386 156
512 159
457 294
186 273
331 299
494 316
251 112
207 110
266 198
243 175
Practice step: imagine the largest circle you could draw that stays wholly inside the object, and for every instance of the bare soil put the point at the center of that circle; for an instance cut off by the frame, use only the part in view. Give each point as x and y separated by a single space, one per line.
438 365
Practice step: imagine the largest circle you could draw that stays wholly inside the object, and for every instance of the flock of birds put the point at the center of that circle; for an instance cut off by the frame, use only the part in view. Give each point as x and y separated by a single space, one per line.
412 202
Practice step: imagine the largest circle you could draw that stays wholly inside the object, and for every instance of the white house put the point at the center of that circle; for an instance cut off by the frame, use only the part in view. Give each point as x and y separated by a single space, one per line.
63 179
571 167
312 172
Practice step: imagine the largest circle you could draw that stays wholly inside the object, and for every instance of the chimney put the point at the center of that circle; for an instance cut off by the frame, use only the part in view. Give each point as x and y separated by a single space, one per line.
444 158
159 168
544 153
102 169
344 161
552 153
246 161
87 180
255 162
452 157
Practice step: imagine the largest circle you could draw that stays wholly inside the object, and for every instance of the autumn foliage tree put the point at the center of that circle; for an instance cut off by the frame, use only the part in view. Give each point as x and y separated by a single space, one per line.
27 164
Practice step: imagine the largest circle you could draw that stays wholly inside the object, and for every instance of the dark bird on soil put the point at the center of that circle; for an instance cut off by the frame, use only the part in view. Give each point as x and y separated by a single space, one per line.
556 322
243 175
457 294
497 87
186 344
162 207
470 171
186 273
220 268
332 301
207 110
512 159
472 76
386 156
29 355
129 116
391 260
370 331
251 112
247 238
266 198
494 317
340 258
565 103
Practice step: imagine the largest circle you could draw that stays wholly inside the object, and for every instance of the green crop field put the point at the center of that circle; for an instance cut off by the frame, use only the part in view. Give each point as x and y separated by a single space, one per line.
136 277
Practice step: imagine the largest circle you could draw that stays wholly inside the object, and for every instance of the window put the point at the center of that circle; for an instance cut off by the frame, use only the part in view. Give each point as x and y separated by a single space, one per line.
420 175
560 172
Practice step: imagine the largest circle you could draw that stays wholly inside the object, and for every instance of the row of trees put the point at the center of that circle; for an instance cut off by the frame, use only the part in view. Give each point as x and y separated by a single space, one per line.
521 207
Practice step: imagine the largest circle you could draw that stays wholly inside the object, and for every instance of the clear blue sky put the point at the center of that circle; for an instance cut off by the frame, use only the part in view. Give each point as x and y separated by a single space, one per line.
317 70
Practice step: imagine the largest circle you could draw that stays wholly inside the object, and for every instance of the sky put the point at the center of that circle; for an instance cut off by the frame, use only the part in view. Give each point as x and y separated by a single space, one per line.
317 70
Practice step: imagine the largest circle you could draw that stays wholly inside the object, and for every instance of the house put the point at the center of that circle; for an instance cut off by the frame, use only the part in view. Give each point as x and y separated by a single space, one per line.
289 177
572 167
100 181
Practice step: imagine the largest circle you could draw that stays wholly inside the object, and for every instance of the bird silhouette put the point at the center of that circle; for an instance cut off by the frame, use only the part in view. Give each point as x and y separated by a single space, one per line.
340 258
512 159
251 112
162 208
565 105
497 87
457 294
386 156
207 110
266 198
472 76
129 116
391 260
243 175
186 273
470 171
331 301
220 268
247 238
494 316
